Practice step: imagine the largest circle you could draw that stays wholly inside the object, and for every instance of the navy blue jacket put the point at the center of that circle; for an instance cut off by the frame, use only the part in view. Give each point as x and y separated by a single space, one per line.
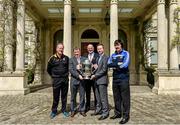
120 62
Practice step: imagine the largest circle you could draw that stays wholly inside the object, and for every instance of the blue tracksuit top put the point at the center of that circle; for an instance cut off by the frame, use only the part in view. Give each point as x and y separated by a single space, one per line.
120 62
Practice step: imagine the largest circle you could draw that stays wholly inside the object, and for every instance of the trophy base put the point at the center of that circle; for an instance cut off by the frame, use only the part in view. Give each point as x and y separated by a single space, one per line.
87 77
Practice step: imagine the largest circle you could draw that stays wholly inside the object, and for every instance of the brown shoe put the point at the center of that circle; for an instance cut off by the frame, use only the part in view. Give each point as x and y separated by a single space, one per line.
73 114
83 114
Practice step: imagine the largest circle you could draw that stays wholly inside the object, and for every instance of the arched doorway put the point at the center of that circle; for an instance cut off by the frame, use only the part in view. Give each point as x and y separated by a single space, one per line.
89 36
58 38
123 37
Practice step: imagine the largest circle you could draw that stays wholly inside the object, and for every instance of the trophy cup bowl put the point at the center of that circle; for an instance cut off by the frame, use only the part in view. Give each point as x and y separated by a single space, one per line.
86 67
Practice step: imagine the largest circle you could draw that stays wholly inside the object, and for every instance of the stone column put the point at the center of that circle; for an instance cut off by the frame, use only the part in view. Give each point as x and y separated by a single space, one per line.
20 36
160 82
162 40
172 32
67 28
8 37
113 24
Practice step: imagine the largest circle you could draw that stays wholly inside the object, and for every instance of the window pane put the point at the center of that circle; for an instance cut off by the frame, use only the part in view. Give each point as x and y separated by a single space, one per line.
154 58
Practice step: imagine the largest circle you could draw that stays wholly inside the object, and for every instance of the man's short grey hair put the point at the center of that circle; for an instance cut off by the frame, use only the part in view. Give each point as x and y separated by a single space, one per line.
76 48
59 44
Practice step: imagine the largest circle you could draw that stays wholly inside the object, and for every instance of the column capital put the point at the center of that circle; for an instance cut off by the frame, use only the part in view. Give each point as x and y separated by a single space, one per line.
161 1
114 1
20 2
67 2
173 1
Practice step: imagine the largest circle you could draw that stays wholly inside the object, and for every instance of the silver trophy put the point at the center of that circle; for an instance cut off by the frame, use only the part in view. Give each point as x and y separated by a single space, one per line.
85 69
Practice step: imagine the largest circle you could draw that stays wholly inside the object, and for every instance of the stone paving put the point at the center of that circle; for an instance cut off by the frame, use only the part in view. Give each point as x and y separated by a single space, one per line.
34 108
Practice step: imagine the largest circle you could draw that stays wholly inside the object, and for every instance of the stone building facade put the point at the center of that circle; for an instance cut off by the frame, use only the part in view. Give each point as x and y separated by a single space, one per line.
33 27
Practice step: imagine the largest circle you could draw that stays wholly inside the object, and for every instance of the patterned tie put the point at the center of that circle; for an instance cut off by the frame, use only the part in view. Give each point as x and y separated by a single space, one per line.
90 57
78 60
100 56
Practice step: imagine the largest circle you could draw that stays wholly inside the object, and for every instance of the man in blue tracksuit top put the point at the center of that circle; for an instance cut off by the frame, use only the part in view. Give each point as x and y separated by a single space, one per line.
119 61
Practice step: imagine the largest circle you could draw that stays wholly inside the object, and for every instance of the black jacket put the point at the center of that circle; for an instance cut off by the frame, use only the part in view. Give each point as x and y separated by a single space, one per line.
58 67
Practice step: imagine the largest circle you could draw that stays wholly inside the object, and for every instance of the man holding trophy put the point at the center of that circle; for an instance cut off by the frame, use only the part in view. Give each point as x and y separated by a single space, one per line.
101 82
77 82
92 56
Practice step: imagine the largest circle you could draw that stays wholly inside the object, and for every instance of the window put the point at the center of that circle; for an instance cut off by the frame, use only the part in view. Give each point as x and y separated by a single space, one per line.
90 34
153 45
90 10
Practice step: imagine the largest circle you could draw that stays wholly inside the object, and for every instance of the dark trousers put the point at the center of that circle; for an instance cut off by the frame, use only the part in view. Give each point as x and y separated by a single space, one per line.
60 88
90 84
121 94
102 100
74 91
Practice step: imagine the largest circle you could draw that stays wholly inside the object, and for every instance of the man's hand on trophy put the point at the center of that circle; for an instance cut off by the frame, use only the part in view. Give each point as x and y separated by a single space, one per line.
92 77
80 77
95 66
79 66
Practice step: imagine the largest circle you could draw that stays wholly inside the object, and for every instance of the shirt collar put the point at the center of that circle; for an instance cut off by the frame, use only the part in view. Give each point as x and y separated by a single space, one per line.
119 52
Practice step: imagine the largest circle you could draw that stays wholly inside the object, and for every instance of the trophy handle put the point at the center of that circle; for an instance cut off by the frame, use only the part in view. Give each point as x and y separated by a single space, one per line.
79 70
93 72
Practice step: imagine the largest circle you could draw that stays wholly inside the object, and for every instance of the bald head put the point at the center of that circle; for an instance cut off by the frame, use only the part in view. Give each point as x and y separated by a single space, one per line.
90 48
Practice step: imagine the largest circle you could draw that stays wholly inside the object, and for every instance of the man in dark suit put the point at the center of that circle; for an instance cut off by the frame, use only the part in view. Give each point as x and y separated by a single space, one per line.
101 83
77 82
92 56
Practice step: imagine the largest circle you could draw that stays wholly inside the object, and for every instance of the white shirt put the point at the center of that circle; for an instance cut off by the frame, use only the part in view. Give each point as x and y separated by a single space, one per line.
90 56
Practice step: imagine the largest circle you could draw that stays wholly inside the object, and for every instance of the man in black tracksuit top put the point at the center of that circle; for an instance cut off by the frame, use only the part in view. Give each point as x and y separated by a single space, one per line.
57 68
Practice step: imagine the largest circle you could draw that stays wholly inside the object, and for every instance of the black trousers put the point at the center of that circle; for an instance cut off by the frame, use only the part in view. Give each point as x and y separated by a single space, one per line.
121 94
60 86
88 85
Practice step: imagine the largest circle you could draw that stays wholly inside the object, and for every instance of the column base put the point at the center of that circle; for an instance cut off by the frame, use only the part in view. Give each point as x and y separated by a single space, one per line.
167 83
133 78
13 83
143 78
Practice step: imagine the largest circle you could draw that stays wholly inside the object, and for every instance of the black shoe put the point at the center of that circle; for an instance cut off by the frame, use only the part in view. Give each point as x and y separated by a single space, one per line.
87 108
95 113
83 114
103 117
115 116
73 114
124 120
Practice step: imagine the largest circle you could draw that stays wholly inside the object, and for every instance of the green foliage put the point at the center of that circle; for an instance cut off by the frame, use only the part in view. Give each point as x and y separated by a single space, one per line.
30 74
176 39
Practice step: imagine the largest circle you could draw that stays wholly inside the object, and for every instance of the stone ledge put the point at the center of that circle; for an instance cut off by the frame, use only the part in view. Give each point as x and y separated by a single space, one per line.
12 74
170 73
167 83
13 83
166 92
15 92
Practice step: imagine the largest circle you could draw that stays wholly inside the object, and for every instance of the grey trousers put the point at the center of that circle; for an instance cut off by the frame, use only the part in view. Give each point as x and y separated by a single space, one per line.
102 99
